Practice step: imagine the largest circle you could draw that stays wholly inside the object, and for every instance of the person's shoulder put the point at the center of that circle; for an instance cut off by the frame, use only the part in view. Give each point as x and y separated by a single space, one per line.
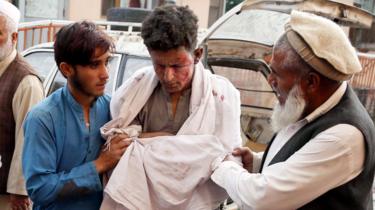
144 72
47 106
103 100
220 79
21 61
31 82
223 83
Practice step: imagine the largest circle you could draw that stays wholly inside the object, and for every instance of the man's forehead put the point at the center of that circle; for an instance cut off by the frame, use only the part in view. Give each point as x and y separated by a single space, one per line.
101 53
3 22
284 61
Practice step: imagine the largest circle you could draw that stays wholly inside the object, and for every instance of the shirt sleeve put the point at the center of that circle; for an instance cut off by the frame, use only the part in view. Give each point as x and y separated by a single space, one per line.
339 152
44 183
28 93
257 161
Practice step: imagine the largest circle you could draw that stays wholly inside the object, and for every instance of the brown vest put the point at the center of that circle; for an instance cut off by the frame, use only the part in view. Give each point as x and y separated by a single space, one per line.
9 82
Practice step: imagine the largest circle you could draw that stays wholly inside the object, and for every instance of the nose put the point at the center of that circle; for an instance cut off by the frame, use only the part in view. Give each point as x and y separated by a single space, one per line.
104 72
168 74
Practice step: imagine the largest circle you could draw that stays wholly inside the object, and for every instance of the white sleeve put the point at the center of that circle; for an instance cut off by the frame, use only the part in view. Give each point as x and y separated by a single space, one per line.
257 161
29 92
331 159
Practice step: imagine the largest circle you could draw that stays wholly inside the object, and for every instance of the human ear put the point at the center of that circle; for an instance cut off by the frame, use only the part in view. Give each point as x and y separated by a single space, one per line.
313 82
14 37
198 54
66 69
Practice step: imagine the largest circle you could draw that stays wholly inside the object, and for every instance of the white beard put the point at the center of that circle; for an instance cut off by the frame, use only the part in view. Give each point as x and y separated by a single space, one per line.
291 112
6 49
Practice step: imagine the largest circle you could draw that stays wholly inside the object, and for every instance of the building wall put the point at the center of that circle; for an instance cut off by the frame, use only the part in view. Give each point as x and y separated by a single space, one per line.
84 10
200 8
79 10
93 12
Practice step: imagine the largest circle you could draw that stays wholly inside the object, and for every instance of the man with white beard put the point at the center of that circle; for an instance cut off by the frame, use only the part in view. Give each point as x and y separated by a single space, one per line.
322 156
20 89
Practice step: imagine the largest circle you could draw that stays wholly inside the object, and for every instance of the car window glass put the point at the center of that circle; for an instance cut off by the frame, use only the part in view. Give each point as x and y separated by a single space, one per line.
42 62
133 64
259 26
57 83
253 86
113 67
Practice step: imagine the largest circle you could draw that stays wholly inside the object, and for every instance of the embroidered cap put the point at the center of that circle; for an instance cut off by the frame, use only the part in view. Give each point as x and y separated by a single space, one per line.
11 11
323 45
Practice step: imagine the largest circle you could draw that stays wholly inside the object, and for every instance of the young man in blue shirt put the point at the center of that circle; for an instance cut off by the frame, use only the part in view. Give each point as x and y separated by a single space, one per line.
63 158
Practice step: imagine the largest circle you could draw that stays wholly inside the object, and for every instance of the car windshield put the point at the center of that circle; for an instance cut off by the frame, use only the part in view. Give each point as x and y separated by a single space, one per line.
259 26
133 64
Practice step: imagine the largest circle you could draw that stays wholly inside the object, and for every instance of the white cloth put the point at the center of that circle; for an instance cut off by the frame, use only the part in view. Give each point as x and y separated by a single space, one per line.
163 173
29 92
300 177
172 172
10 11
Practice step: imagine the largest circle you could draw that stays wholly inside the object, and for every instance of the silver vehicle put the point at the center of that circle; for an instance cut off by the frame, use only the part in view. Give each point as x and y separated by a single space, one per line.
238 46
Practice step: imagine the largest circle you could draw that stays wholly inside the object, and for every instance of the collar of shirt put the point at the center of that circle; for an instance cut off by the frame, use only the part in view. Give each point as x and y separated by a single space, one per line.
72 101
5 63
332 101
286 133
329 104
184 94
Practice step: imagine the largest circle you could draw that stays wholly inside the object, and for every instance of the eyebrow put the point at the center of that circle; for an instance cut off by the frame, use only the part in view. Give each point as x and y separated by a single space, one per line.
110 56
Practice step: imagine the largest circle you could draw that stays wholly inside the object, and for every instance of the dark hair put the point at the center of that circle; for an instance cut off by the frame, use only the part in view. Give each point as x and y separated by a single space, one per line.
170 27
76 43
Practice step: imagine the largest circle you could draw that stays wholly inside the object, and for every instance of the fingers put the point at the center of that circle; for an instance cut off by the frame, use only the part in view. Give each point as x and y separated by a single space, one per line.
20 206
19 202
24 206
119 138
119 145
241 151
246 156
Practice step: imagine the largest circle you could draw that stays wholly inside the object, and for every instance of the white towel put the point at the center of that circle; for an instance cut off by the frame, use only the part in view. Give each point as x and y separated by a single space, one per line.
172 172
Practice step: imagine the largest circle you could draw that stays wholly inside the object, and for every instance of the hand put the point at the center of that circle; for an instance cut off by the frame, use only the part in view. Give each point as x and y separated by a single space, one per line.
246 156
109 158
19 202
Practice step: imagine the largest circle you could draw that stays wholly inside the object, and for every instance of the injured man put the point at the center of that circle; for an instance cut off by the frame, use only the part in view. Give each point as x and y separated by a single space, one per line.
180 118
